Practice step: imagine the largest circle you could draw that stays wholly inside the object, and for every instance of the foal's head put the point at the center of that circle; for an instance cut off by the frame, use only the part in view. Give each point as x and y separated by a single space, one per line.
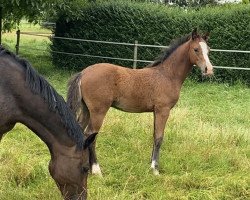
199 53
69 168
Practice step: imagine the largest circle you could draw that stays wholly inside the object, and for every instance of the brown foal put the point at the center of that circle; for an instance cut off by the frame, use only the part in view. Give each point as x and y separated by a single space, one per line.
155 88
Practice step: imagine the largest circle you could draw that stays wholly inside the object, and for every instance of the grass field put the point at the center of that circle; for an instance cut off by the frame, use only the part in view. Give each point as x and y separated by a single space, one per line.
205 153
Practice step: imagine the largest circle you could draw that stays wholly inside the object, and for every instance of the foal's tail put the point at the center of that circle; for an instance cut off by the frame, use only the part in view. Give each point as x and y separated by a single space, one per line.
76 102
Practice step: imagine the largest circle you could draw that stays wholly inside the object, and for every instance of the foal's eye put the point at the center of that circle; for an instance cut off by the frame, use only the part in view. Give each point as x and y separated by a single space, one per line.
196 50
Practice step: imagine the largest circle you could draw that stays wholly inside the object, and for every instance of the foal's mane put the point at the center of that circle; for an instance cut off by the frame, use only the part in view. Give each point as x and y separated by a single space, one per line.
56 103
168 51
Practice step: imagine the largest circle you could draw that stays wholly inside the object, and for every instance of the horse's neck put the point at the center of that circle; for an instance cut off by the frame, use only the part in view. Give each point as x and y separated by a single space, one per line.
52 133
178 65
36 114
30 108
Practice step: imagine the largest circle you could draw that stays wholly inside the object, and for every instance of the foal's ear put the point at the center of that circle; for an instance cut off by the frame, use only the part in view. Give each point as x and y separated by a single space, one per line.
205 37
195 34
89 140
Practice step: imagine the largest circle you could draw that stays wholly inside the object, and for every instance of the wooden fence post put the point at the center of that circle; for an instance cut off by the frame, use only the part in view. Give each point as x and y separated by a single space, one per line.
17 41
135 54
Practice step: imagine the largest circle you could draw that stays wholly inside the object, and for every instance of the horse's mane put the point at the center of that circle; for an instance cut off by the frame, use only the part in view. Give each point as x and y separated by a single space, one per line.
56 103
168 51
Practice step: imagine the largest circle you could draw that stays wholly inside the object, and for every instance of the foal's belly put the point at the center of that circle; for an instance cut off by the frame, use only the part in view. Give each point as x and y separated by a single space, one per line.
132 106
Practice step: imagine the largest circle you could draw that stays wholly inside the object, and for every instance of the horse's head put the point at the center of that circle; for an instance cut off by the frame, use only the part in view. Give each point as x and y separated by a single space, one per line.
199 53
70 169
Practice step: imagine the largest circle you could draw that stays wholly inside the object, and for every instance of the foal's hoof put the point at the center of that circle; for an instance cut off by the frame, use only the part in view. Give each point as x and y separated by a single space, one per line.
96 170
156 172
154 167
97 174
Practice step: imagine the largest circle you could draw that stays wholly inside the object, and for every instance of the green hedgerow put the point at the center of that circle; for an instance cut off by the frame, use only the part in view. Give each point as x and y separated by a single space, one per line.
153 24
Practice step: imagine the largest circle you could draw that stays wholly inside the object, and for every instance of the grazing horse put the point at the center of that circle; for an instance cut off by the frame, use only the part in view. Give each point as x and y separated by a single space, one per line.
155 88
26 97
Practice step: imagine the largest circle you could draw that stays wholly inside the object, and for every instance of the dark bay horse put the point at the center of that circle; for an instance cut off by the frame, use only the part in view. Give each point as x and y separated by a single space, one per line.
26 97
155 88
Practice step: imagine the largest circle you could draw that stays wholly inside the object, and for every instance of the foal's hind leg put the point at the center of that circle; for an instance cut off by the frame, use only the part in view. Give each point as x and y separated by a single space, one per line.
160 119
95 123
83 118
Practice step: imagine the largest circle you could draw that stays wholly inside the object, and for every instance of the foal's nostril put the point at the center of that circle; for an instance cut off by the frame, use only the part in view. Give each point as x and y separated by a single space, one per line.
205 69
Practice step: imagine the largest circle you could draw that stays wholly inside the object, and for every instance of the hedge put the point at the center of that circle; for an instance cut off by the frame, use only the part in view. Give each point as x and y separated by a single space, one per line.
229 27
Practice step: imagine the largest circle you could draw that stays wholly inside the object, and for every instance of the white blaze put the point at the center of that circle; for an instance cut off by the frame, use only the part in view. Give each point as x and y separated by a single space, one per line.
204 49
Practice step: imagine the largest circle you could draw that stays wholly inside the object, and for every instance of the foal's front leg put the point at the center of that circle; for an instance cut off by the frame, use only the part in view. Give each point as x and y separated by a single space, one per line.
160 119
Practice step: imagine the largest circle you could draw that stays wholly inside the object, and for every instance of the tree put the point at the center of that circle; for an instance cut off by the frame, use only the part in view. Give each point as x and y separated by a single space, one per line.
13 11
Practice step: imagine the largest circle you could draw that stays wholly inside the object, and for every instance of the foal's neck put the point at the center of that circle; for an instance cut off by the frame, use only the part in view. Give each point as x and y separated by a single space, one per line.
178 65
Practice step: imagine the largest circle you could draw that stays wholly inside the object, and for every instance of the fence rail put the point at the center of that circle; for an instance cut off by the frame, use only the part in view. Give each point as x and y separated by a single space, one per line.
135 45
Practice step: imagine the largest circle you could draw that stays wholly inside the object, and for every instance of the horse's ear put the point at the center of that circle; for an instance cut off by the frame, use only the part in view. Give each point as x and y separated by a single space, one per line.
89 140
206 37
195 34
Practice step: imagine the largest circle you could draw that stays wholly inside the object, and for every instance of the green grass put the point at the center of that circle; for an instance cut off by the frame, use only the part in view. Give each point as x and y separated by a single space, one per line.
205 154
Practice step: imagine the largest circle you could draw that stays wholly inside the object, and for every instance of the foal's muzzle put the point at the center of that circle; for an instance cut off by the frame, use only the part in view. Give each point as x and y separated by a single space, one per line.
208 72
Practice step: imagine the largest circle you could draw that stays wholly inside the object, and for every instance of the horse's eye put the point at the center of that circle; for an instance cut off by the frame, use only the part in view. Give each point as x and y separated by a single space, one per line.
85 169
196 50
